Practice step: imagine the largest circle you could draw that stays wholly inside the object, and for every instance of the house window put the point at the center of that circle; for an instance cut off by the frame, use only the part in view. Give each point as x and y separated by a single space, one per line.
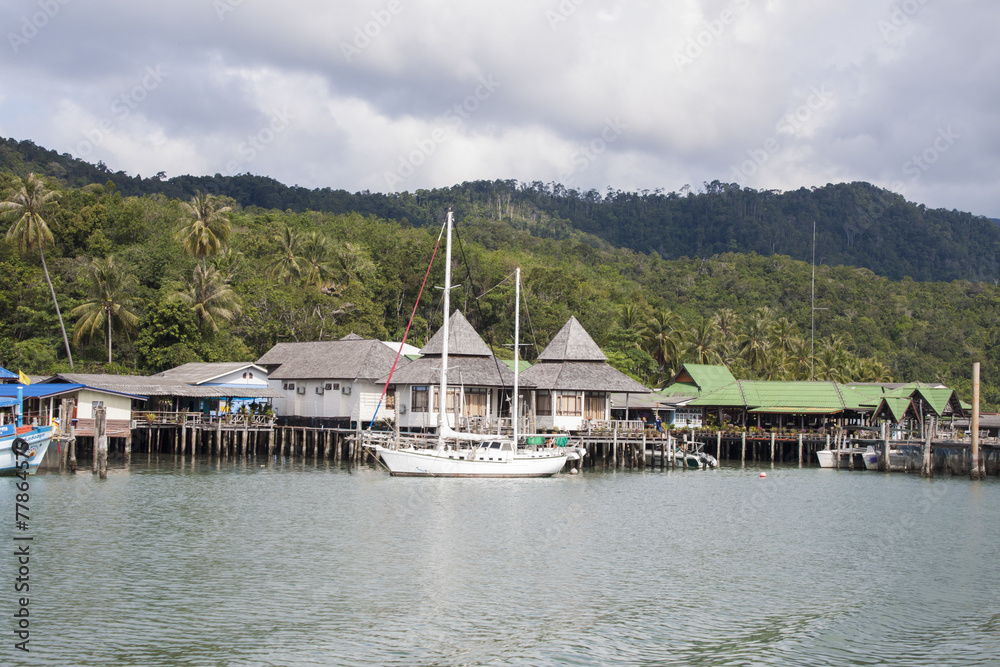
475 401
289 386
594 404
418 399
332 386
569 405
453 398
390 398
543 404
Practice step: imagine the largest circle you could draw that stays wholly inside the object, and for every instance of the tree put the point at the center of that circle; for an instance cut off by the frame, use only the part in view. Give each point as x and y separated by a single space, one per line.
204 227
663 339
289 263
112 301
30 231
209 297
703 342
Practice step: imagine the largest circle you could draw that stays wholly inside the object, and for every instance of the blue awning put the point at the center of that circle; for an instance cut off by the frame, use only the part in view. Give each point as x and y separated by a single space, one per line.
41 390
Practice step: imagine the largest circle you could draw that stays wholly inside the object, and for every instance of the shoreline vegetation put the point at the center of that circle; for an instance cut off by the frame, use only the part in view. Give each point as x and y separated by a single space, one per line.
150 282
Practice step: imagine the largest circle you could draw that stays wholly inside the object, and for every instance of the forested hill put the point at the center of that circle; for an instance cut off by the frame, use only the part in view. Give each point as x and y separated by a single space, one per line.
857 224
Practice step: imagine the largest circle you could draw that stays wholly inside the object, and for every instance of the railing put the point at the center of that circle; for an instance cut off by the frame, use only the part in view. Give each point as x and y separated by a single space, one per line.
185 418
601 426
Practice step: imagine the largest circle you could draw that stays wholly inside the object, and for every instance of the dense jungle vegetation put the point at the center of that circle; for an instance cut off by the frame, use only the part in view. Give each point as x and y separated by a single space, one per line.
146 280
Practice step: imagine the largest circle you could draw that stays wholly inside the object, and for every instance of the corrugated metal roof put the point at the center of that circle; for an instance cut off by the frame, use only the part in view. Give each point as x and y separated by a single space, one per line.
41 390
572 343
705 377
6 374
462 340
350 359
142 387
786 396
201 372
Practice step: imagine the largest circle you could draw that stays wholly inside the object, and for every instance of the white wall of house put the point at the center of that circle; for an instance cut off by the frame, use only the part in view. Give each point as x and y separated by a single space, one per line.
333 399
690 417
248 377
118 407
570 410
428 419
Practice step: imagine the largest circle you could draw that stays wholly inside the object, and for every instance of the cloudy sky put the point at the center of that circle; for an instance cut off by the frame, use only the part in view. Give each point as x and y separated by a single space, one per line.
392 95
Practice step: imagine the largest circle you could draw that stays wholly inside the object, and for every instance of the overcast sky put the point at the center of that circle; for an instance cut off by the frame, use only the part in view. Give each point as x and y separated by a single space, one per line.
389 95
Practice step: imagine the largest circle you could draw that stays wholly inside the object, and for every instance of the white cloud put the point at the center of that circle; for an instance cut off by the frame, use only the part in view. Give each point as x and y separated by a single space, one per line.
699 86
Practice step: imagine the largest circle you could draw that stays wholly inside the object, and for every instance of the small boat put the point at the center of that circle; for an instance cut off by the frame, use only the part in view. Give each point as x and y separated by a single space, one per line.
695 459
22 448
871 458
828 457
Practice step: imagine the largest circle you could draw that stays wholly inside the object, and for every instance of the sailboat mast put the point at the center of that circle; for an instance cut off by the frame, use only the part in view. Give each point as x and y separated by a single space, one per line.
443 399
517 339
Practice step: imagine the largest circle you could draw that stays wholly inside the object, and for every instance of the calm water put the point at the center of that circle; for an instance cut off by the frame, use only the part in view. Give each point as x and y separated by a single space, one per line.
203 563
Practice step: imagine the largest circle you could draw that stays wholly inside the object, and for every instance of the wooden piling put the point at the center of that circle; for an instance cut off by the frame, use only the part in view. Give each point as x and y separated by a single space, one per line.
101 441
974 471
743 449
927 469
885 464
800 450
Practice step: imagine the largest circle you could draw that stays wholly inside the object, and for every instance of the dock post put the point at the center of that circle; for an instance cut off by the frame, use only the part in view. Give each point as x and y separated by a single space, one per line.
743 449
772 449
65 429
218 438
101 441
975 472
642 459
614 448
800 449
927 469
885 448
183 435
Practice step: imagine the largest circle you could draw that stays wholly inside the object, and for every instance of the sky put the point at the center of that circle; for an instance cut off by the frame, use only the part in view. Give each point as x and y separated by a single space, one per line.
391 95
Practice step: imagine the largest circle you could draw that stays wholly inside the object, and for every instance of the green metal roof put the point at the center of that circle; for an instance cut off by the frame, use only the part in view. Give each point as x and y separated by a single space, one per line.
522 364
896 405
706 377
787 396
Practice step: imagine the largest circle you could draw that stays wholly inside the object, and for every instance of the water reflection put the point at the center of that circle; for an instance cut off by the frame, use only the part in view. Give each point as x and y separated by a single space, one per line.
206 561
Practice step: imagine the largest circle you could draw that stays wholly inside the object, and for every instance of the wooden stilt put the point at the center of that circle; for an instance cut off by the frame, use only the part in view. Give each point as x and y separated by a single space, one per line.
974 472
927 469
743 449
800 450
101 441
772 449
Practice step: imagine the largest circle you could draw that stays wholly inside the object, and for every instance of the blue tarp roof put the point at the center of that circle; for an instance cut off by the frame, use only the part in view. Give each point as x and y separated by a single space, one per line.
41 390
6 374
7 402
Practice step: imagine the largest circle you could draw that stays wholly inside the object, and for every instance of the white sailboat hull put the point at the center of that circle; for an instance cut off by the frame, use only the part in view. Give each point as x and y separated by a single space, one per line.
416 462
38 440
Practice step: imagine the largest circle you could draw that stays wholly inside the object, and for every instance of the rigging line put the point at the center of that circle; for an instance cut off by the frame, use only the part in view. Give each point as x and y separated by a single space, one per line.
479 311
416 303
502 282
531 326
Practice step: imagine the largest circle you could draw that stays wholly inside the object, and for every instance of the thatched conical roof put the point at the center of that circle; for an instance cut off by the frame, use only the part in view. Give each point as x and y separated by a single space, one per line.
463 341
572 343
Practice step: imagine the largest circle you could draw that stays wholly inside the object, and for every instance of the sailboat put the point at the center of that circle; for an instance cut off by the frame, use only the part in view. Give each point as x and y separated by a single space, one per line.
22 448
460 454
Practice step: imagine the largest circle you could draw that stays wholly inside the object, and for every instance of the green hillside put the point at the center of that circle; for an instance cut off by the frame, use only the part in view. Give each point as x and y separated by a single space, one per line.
285 275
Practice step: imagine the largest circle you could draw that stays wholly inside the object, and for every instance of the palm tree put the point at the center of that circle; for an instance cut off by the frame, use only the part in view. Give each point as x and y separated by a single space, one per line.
703 342
289 263
754 343
112 299
727 322
204 227
317 268
663 338
210 297
30 231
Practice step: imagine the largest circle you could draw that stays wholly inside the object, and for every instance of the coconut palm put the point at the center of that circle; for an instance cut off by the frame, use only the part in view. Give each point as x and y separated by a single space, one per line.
30 231
703 342
204 227
754 343
210 297
289 263
727 322
663 339
317 266
112 300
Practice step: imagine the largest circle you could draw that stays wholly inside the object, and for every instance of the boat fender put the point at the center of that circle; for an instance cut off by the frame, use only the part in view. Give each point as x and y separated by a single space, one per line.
20 447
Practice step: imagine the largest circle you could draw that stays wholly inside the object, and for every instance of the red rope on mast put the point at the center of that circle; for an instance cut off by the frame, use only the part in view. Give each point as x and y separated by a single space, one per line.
408 325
